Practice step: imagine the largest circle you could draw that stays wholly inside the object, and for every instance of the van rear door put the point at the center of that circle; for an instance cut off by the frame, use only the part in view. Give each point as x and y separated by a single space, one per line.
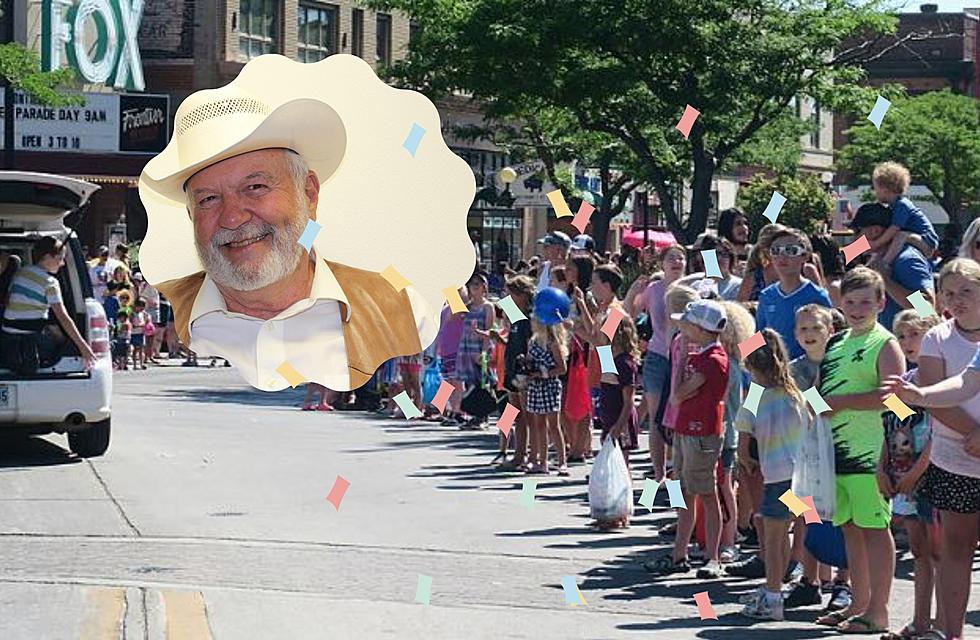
40 201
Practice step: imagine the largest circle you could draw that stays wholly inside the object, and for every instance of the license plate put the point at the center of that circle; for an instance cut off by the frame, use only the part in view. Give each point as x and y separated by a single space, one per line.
5 396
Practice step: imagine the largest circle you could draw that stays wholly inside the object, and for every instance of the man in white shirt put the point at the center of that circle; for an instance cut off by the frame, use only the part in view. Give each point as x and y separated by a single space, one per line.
555 252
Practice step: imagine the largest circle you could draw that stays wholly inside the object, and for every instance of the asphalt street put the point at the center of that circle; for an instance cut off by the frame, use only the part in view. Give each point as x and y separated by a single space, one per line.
208 518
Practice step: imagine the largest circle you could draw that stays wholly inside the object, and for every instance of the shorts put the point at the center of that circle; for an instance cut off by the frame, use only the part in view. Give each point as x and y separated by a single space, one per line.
120 348
695 458
859 500
138 340
772 506
918 508
949 491
655 370
728 458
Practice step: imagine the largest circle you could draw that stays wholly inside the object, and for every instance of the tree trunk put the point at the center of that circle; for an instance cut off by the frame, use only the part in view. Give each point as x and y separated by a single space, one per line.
704 170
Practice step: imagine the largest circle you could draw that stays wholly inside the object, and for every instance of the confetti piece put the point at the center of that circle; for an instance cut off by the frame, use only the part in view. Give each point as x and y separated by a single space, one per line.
855 249
921 305
394 278
816 401
650 487
687 121
612 322
749 345
409 410
336 494
606 360
558 204
514 314
581 219
810 516
292 376
901 409
507 419
414 138
795 505
572 595
711 268
528 487
878 112
675 494
775 206
442 396
423 589
309 234
753 397
705 610
456 304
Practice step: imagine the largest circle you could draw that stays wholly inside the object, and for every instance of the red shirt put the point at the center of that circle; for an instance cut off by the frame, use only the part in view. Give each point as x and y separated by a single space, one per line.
702 414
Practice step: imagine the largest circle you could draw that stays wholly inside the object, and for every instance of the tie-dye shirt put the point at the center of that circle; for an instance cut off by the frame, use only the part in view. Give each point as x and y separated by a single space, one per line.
778 426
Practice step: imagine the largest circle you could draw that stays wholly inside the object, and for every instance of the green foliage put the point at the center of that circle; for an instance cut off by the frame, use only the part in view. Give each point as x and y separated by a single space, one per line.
808 205
936 135
22 69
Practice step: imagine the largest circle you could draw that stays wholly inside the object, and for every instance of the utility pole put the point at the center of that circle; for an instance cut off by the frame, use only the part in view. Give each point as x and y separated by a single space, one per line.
8 91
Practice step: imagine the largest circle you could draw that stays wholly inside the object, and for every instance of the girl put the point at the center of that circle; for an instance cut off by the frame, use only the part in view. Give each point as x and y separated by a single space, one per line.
121 343
314 389
447 348
473 345
578 393
410 369
733 225
139 319
547 351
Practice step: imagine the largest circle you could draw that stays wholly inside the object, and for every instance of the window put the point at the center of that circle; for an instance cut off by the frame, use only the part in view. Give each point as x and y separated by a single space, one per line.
357 32
258 28
317 32
414 31
815 124
384 38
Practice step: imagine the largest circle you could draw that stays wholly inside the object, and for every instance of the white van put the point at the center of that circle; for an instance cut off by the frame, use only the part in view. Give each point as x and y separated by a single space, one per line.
61 397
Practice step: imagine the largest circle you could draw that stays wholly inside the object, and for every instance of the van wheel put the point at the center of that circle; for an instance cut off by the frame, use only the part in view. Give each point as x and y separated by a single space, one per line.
91 442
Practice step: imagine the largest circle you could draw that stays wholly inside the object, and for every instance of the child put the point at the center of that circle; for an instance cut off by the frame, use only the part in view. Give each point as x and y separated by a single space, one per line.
855 363
410 368
312 388
777 425
547 351
111 303
698 432
447 348
121 343
139 320
909 225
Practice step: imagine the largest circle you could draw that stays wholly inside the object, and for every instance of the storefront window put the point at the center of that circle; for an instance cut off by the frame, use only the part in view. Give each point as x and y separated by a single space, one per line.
258 28
384 39
317 32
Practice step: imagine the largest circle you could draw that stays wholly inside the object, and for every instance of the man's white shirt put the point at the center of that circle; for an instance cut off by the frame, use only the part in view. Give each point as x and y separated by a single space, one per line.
309 334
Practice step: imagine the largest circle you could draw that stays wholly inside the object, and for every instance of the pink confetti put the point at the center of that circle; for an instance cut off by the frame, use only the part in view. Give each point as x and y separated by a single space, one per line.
507 419
581 218
337 493
687 121
706 611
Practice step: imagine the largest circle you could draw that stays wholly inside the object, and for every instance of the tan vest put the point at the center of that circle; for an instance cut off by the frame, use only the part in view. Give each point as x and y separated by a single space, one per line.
381 324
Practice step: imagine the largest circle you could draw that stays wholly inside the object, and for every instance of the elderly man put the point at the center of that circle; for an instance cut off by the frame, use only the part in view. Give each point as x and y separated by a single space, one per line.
555 252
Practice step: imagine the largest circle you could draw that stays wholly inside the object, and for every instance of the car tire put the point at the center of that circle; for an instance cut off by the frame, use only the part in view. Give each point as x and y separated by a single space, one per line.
91 442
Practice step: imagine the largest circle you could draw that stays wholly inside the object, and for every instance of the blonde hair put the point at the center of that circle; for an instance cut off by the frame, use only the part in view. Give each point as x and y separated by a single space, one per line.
969 237
963 267
861 278
892 176
823 314
662 254
740 327
911 318
678 297
761 247
626 340
772 361
546 335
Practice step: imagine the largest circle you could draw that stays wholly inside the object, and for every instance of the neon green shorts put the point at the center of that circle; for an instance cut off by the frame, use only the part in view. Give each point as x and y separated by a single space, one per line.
859 501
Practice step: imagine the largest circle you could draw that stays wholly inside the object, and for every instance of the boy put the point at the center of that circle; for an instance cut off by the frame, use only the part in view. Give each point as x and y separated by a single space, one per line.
111 303
856 362
908 224
779 301
698 429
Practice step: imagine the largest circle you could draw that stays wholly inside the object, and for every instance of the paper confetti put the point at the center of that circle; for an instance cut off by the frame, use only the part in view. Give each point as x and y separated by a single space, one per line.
336 495
394 278
687 121
507 419
528 487
816 401
581 219
878 112
705 610
711 268
423 589
514 314
675 494
406 405
414 138
794 504
921 305
855 249
292 376
900 409
612 322
750 344
753 397
650 487
309 234
442 396
810 516
572 594
606 360
456 304
558 204
775 206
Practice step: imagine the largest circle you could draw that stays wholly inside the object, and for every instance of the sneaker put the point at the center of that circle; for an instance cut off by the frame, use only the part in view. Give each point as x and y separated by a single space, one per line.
694 552
728 555
710 571
752 596
840 597
767 606
802 595
750 538
793 572
754 568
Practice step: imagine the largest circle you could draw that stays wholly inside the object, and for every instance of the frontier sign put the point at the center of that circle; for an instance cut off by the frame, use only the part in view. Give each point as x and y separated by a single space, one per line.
98 38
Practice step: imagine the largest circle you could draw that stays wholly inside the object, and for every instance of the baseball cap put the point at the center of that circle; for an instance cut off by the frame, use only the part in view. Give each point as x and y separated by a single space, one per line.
556 238
103 250
873 213
583 242
707 314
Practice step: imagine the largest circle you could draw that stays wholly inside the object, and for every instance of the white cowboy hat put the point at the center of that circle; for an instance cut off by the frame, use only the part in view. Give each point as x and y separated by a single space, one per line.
237 122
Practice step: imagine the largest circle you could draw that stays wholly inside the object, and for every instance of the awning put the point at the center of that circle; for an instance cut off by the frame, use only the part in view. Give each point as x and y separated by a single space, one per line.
658 239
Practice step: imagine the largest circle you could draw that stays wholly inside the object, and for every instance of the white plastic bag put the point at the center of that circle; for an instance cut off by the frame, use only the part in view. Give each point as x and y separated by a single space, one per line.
813 472
610 487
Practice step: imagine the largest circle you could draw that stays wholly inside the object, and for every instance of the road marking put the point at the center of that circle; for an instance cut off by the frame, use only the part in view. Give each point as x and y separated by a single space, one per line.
107 606
186 617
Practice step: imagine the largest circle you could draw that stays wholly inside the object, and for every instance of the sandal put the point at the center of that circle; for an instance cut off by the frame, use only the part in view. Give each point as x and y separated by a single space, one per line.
831 619
510 465
668 530
563 471
666 565
908 632
862 624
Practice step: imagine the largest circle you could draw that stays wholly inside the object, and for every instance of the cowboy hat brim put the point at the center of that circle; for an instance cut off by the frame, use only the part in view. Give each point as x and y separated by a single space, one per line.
311 128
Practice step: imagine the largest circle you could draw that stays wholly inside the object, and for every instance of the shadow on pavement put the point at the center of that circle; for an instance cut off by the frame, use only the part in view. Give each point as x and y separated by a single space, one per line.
18 451
286 398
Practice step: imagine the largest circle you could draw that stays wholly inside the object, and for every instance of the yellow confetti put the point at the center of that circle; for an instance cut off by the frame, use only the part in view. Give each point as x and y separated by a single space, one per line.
456 303
795 505
901 409
394 278
559 205
292 376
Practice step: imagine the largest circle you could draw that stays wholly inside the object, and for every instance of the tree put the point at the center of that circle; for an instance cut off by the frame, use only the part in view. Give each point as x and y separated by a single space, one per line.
627 68
21 68
936 135
808 204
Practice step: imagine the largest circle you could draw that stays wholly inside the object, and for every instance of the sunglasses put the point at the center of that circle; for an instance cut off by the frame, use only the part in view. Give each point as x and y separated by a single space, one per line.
788 250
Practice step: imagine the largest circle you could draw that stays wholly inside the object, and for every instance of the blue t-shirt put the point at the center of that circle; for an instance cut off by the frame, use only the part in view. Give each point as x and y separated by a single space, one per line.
912 271
908 217
777 311
111 306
